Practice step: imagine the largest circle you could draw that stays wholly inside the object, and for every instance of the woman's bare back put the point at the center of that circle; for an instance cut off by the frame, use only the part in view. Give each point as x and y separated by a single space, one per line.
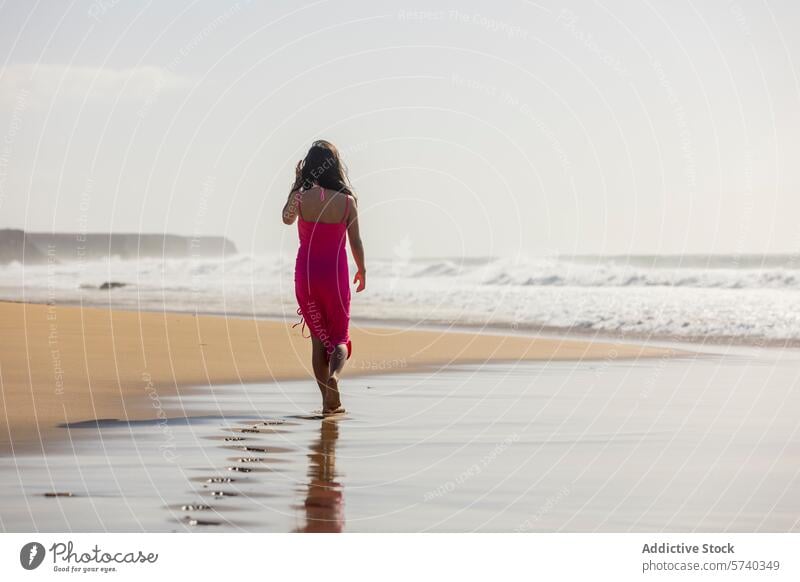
316 207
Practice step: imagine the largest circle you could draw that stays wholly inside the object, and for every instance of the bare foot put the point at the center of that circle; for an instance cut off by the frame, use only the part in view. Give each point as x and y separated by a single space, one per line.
332 402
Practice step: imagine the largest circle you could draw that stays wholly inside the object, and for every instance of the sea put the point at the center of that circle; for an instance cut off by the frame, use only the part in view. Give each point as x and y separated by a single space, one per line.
747 298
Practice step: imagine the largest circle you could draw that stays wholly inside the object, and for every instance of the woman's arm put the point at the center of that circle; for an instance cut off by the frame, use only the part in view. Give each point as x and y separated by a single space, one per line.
356 246
291 208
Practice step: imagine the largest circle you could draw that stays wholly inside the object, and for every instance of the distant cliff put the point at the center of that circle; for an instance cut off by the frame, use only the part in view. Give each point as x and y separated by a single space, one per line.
41 247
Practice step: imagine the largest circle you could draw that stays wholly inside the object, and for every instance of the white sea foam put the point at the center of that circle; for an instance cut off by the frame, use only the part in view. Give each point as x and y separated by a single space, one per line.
745 297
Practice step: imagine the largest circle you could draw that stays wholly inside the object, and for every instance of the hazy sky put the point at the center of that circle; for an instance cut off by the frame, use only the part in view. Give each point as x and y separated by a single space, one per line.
470 128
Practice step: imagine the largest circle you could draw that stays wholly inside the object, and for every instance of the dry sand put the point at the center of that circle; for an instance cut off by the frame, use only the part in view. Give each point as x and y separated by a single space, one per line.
65 364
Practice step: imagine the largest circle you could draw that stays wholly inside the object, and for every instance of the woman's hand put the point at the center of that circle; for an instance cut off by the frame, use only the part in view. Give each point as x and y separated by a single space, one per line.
361 280
354 236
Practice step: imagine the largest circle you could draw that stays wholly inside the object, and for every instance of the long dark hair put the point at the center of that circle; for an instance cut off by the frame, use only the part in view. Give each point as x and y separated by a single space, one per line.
322 166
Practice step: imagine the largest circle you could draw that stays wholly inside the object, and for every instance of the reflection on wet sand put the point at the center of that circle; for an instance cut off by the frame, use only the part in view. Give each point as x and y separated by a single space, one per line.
572 447
324 505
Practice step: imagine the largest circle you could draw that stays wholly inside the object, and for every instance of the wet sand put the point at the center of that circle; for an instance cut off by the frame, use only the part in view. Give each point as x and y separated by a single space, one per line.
66 364
667 444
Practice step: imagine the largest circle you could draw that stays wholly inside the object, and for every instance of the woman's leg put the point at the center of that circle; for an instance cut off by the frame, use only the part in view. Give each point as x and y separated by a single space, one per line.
319 362
338 358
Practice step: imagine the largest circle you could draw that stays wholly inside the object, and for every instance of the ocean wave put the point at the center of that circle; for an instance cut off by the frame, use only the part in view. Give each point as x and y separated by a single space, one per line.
565 274
581 273
624 277
525 273
604 295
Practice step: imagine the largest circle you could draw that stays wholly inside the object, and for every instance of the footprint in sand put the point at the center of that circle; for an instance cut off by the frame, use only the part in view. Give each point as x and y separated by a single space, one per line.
238 468
256 449
223 494
195 507
201 522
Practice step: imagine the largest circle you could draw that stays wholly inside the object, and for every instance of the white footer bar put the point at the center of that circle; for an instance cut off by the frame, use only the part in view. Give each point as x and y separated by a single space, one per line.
377 557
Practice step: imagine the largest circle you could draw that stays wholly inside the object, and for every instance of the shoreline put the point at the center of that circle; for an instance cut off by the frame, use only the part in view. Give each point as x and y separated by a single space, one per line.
63 364
545 331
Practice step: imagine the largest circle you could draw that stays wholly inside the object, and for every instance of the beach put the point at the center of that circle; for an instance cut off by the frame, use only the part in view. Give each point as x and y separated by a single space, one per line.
144 421
67 364
686 443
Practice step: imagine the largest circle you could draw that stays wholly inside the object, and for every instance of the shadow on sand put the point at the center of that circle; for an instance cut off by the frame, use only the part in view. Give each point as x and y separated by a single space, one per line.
173 421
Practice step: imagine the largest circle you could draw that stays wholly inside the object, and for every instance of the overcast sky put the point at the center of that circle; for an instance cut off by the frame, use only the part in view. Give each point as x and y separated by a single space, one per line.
470 128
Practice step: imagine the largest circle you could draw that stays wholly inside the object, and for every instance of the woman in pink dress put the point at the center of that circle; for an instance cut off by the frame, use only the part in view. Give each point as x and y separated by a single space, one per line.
323 203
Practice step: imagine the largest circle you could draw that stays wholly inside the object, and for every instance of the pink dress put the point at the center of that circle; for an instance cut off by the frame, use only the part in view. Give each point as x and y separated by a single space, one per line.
322 279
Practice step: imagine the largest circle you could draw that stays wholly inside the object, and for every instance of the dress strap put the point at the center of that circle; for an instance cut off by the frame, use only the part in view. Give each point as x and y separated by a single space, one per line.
346 207
321 193
303 323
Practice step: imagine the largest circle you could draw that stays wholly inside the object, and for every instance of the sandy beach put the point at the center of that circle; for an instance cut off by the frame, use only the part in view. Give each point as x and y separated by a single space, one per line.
66 364
703 444
172 422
